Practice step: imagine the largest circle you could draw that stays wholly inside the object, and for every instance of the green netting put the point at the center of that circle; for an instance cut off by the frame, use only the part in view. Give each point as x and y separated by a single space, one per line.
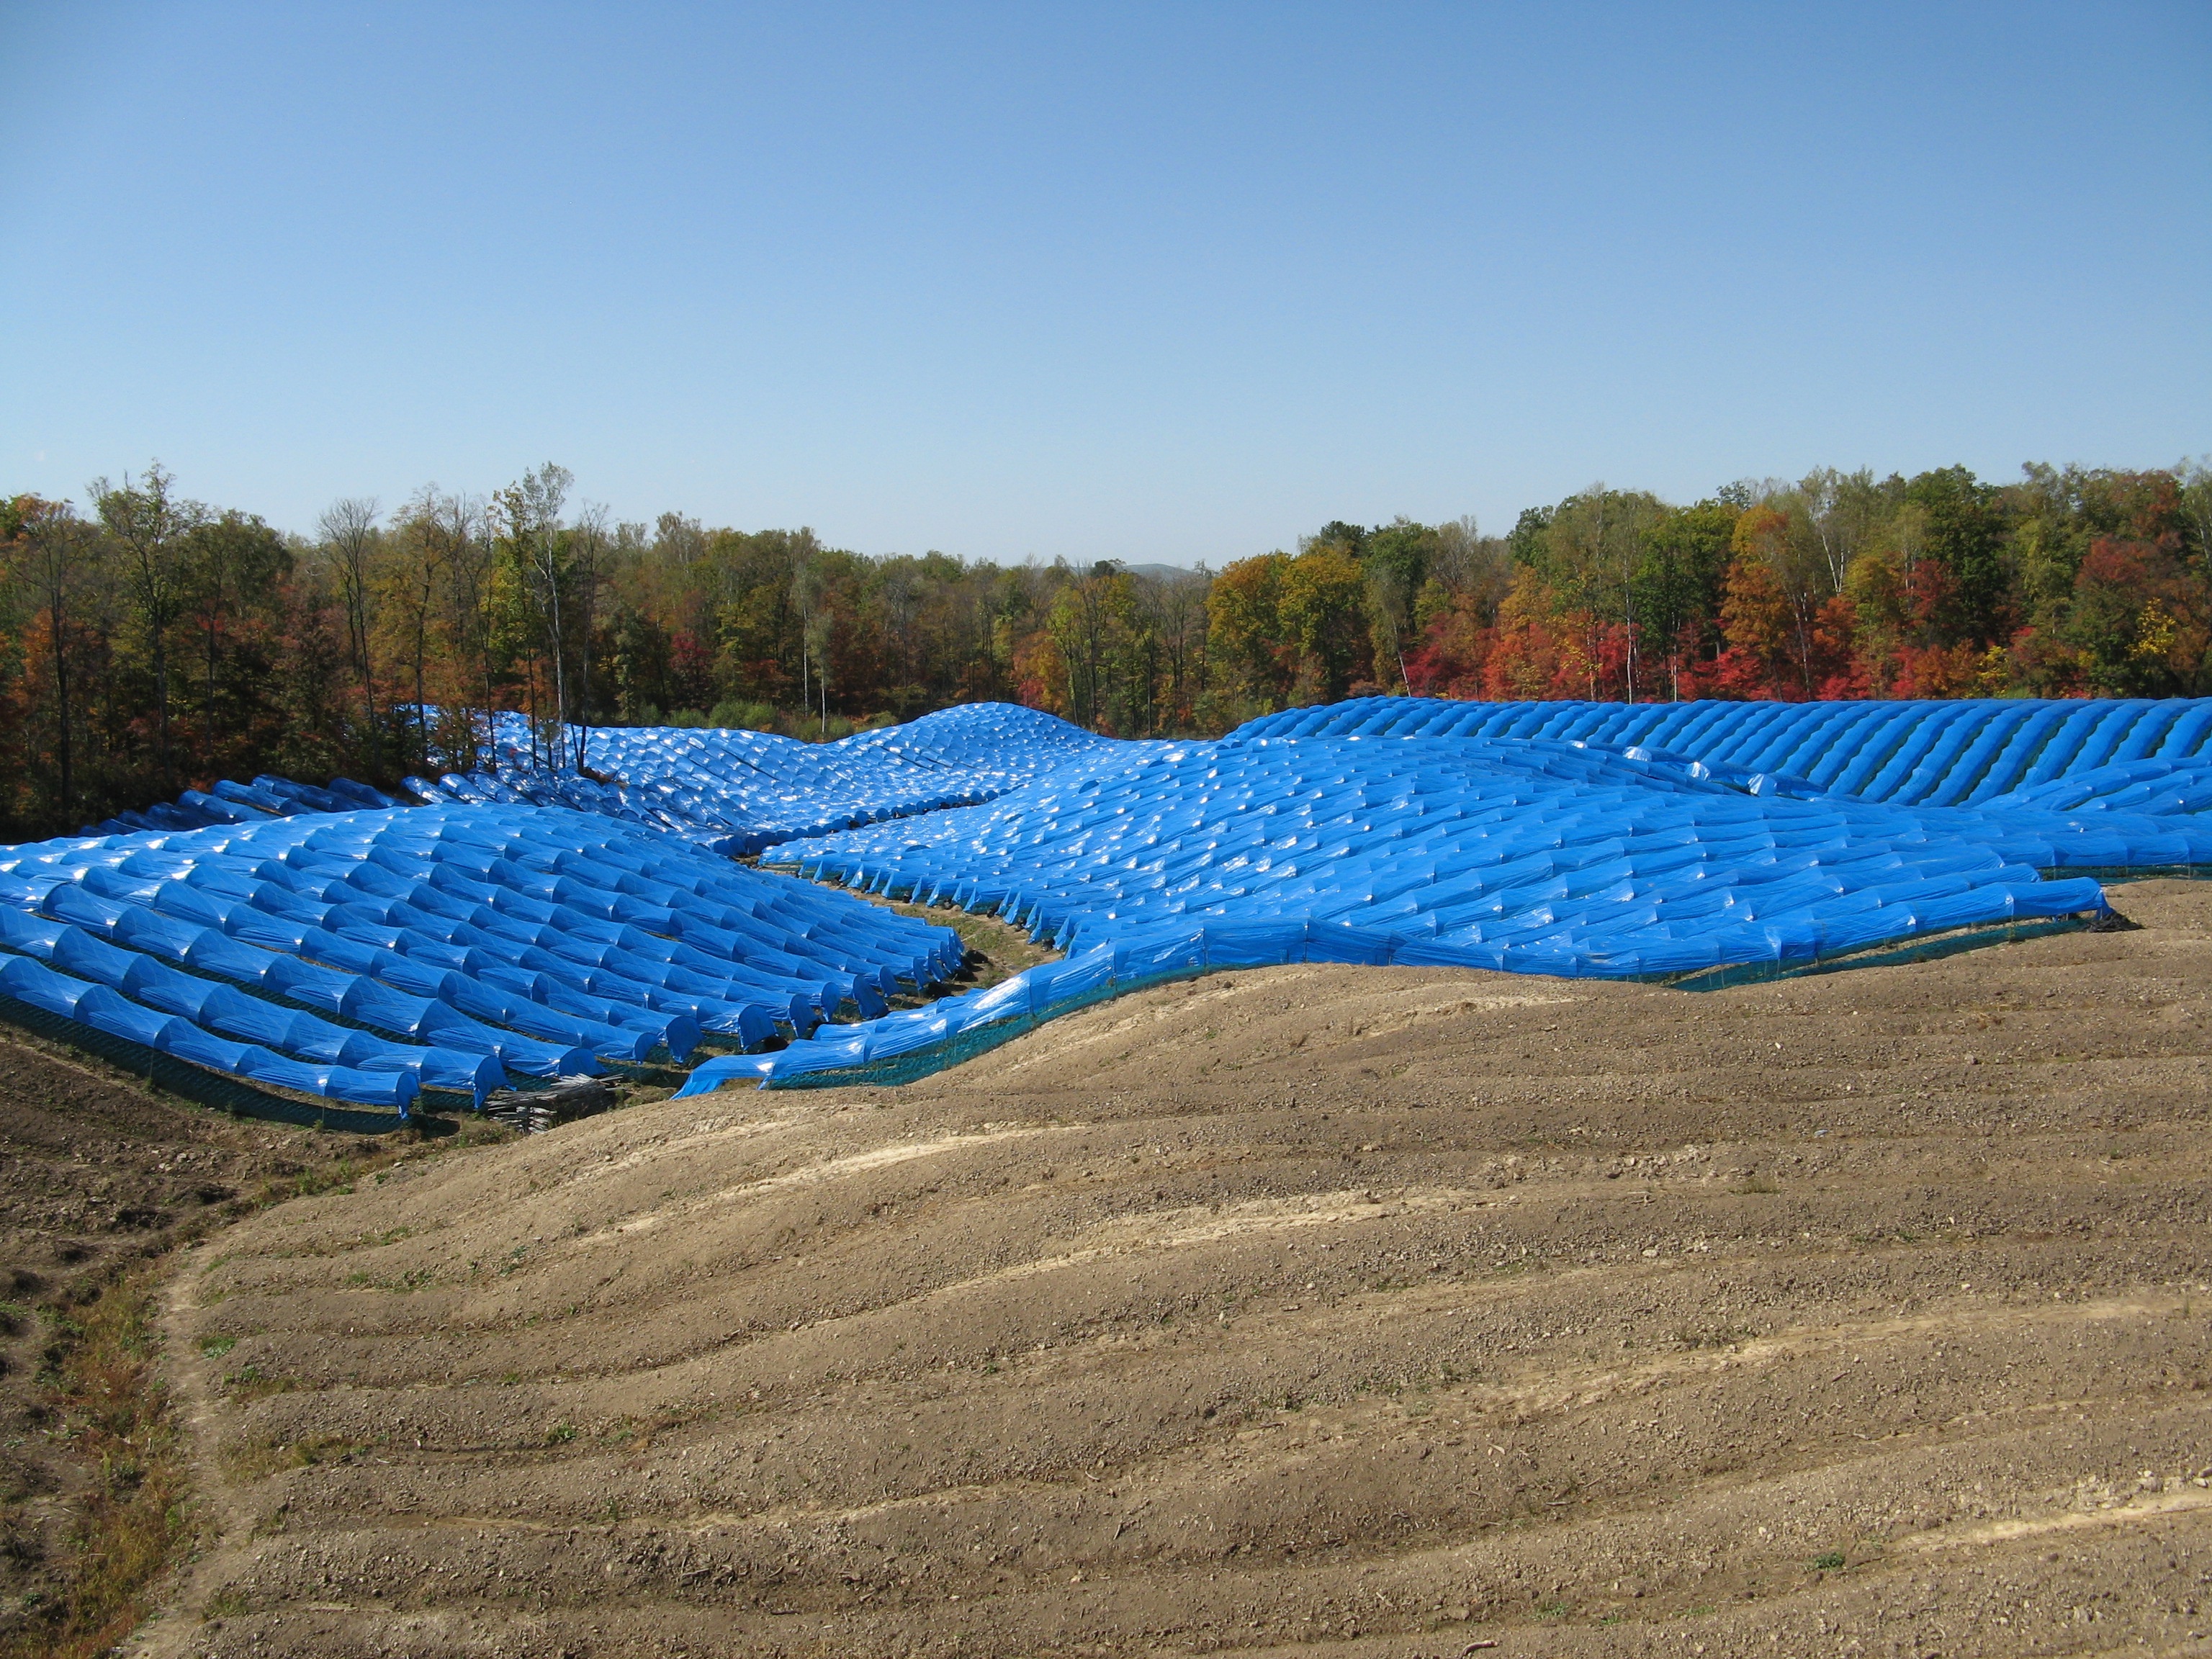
196 1083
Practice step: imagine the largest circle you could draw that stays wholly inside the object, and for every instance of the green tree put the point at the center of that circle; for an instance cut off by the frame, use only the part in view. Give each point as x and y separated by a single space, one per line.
237 564
596 548
1322 607
810 597
147 525
1680 579
56 556
532 509
1174 611
1245 628
424 537
1105 649
2133 622
1397 559
1963 532
349 549
1590 552
1839 512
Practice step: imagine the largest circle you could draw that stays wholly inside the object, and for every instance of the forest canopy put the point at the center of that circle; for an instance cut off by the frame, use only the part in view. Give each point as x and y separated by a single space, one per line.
149 641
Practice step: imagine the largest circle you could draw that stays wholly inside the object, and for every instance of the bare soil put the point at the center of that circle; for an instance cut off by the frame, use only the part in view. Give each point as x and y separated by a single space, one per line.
1314 1309
100 1176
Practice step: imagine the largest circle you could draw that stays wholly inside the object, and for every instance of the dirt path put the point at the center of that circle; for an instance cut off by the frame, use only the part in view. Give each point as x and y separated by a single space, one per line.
1370 1312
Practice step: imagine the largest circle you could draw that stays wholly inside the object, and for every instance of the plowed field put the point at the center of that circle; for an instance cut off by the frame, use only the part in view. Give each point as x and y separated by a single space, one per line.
1311 1309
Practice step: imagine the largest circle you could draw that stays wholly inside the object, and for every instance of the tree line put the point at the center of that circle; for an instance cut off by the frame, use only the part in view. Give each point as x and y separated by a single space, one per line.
149 641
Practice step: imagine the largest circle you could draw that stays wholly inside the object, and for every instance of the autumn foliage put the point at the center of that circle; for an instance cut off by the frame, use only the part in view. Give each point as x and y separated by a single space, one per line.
148 642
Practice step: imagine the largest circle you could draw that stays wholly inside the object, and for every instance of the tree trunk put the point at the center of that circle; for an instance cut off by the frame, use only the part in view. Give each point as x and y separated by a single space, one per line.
57 623
162 710
207 742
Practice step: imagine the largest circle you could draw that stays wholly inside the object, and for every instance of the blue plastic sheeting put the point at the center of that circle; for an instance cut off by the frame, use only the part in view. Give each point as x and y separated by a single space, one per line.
495 932
106 1010
364 956
245 803
732 792
1921 753
737 792
1540 856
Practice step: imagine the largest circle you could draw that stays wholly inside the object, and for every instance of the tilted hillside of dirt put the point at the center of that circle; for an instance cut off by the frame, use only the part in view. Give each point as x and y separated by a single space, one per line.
100 1176
1314 1309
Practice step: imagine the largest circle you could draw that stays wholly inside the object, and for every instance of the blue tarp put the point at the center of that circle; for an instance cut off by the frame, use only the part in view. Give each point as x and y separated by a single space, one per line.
540 923
1613 843
360 955
737 792
1946 753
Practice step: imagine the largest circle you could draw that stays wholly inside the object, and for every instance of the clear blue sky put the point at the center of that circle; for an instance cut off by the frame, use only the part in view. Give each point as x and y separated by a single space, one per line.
1169 283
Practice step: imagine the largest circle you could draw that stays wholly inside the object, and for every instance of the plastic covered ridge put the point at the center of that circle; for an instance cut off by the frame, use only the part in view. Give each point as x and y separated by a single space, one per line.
540 921
1930 753
364 956
230 802
737 792
733 793
1605 854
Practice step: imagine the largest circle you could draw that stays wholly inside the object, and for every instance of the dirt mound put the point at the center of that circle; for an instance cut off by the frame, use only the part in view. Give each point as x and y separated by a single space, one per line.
1386 1312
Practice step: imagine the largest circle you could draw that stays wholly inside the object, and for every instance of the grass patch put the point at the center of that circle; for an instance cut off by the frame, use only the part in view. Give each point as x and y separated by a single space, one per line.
225 1604
252 1382
996 950
322 1449
258 1461
107 1398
